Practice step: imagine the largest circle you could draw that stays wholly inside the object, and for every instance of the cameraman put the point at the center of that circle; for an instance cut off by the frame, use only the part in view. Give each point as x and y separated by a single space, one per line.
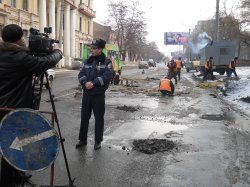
17 67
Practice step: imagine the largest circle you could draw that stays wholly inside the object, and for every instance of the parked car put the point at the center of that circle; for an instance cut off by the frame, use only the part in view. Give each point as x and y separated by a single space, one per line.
192 65
151 63
51 76
143 65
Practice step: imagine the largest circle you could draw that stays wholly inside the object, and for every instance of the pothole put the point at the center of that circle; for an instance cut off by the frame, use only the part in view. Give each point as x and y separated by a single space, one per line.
214 117
245 99
128 108
152 146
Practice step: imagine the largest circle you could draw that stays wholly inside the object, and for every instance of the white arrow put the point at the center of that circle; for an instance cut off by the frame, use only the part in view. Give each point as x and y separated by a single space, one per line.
19 144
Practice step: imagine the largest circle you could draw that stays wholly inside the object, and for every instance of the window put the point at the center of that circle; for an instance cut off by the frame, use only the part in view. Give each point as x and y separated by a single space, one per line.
224 51
1 27
80 24
88 27
25 36
12 3
25 5
80 50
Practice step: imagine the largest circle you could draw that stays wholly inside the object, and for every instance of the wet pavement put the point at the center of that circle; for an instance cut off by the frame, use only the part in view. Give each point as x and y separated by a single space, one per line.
192 139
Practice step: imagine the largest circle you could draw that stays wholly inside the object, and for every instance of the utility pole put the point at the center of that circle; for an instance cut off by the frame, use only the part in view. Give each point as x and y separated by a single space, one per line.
217 20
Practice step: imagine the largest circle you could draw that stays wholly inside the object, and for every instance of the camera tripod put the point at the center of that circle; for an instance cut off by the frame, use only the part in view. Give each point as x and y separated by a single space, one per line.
37 93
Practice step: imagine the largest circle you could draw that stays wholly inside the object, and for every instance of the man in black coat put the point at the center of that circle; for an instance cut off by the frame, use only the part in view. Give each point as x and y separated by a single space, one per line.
17 67
94 77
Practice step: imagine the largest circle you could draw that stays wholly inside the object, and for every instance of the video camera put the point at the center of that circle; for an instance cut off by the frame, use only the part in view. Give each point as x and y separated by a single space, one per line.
40 43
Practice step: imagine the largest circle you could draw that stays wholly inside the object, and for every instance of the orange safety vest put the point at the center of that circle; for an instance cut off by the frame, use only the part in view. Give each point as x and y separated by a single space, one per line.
178 64
208 65
232 65
165 85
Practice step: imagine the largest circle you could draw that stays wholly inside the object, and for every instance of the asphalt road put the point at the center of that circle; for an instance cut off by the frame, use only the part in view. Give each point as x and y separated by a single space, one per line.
211 137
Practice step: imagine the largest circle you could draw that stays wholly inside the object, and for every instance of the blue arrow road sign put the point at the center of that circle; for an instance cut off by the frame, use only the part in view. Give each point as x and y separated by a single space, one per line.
27 140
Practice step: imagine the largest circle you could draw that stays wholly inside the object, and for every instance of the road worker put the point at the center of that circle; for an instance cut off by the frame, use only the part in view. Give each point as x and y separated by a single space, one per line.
172 70
231 68
166 87
179 65
209 68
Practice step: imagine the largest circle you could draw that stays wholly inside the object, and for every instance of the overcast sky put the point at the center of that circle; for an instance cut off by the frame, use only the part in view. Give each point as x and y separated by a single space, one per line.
168 16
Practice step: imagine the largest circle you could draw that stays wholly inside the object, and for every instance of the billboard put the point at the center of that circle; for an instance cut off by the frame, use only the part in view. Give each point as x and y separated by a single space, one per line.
176 38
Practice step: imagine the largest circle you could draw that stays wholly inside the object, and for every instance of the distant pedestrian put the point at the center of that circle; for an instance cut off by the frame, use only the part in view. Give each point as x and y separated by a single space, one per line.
179 65
209 68
94 77
172 70
166 87
231 67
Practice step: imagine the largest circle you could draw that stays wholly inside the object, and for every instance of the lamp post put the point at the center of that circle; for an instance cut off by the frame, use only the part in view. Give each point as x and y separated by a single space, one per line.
217 20
189 50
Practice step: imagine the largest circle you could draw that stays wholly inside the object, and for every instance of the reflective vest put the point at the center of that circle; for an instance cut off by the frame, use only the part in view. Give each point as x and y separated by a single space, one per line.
165 85
232 65
208 65
172 66
178 64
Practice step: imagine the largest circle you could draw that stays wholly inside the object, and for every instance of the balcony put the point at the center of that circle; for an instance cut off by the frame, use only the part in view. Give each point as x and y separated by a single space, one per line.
84 9
71 2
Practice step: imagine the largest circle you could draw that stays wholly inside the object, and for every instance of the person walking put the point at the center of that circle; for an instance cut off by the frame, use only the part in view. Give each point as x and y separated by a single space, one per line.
17 67
172 70
179 65
166 87
94 77
231 68
209 68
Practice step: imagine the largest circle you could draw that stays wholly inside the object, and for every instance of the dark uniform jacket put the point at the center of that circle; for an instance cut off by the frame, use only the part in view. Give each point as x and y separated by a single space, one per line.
99 71
17 67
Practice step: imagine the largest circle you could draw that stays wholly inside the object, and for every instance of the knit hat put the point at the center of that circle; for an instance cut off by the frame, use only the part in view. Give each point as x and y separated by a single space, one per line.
98 43
12 33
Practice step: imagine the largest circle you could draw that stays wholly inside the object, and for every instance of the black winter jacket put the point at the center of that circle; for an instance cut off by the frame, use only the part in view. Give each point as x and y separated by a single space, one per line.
99 71
17 67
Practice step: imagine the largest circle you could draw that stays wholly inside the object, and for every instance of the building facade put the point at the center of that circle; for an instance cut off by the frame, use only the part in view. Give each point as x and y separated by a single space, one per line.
104 32
71 22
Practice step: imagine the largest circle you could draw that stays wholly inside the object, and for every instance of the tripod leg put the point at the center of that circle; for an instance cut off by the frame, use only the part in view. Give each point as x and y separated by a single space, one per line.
71 182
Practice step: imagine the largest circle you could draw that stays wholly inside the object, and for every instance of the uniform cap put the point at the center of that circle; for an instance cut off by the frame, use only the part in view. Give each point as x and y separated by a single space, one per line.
12 33
98 43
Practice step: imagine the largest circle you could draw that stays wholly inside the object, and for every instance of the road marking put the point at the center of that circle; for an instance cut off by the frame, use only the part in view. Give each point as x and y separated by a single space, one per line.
19 144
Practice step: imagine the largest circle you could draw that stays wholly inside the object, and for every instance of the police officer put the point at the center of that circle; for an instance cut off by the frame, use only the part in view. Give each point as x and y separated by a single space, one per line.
94 77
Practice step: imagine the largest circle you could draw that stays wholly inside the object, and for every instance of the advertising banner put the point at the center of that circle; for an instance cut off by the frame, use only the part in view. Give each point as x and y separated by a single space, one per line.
176 38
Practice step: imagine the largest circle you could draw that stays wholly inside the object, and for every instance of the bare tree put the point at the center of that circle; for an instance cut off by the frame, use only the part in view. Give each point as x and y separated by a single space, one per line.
245 11
129 23
117 19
